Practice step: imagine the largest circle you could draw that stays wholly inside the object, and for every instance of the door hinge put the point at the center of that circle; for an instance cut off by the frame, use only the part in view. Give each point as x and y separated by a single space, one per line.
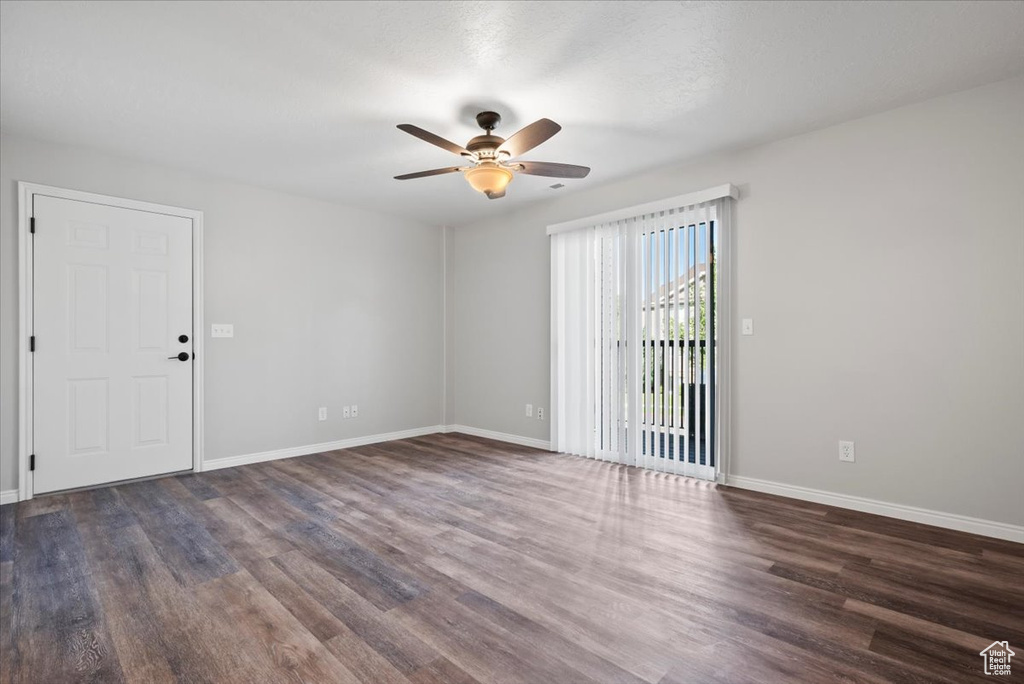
32 462
32 343
32 224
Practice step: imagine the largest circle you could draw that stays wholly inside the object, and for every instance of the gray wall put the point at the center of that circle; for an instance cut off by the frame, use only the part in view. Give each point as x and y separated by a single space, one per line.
331 305
882 261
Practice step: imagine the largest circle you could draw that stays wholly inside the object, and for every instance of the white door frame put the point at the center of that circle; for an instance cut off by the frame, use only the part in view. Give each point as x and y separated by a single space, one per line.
26 324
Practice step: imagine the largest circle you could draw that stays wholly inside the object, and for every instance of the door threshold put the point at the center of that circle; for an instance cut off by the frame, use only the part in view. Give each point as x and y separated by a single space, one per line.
115 483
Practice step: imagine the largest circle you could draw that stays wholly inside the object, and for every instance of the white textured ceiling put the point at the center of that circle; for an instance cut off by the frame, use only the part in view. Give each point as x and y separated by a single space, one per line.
304 97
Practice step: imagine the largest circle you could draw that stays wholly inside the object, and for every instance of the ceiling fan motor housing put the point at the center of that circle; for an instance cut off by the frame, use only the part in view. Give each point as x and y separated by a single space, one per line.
484 146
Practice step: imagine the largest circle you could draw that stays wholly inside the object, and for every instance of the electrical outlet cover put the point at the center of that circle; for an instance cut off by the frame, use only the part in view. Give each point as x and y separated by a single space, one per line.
847 452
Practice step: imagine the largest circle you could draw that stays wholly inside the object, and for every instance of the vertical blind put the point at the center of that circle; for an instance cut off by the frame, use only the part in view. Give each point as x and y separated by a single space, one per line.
635 354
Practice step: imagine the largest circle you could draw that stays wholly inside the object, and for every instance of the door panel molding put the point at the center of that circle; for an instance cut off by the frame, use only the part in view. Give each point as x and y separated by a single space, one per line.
26 325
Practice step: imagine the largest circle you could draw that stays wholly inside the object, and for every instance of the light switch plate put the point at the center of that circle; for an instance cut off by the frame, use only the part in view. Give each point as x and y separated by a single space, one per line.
748 326
222 330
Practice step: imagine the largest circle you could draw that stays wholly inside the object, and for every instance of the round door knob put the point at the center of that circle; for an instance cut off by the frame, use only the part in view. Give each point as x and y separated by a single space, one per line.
183 338
183 356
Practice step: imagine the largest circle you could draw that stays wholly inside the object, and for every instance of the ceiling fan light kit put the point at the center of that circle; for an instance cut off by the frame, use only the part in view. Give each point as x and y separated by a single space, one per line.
489 178
491 171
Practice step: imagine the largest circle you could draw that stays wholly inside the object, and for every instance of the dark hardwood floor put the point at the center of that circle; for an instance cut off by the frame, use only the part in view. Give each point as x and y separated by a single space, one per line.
452 559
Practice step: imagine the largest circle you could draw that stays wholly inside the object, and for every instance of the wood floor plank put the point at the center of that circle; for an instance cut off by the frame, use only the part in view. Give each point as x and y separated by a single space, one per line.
607 622
540 638
313 615
188 548
367 664
486 651
902 529
377 580
103 507
441 671
162 631
136 588
378 629
935 657
57 618
8 644
246 539
458 559
202 488
8 520
276 642
42 505
896 594
359 657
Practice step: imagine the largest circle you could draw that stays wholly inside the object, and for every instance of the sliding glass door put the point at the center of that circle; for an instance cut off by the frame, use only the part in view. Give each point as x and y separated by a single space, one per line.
678 345
636 353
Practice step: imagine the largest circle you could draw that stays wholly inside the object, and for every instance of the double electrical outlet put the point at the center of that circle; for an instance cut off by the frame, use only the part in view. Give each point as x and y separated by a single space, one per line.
847 452
346 412
530 412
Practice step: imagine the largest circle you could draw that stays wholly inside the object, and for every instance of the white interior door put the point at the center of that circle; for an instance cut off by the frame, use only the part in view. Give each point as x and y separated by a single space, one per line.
112 302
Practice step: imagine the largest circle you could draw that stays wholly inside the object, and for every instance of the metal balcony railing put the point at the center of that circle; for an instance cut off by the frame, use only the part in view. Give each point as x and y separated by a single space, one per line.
678 377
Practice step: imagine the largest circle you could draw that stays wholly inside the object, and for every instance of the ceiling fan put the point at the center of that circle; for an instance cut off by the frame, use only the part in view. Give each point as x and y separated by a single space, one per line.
490 170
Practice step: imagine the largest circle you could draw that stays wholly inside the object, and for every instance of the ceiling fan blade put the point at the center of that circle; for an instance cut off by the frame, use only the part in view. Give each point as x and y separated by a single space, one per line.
534 168
435 140
529 137
432 172
495 195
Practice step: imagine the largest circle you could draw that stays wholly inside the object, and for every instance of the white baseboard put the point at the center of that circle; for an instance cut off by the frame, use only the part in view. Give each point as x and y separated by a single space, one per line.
292 452
8 496
500 436
951 521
